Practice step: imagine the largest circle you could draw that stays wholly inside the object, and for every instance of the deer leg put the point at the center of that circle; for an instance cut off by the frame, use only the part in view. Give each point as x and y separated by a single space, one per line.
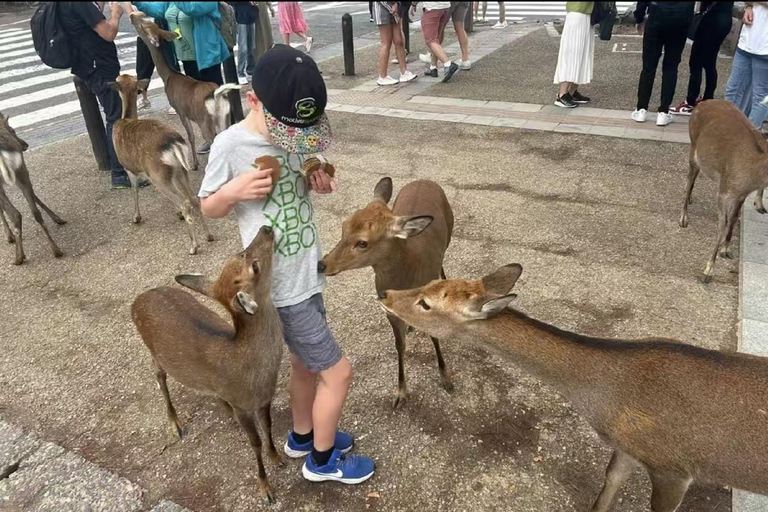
173 190
190 138
619 469
8 233
728 207
26 191
226 407
55 218
186 189
135 186
759 201
15 219
247 423
442 274
162 384
668 491
265 419
398 329
725 251
444 378
693 172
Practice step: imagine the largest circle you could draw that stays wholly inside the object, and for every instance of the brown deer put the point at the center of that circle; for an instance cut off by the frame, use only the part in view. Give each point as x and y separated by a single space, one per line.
238 364
729 150
387 241
684 413
202 103
13 171
152 148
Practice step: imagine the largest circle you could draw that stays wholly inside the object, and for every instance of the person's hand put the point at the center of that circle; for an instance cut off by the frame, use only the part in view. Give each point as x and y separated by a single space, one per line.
749 15
115 9
640 28
322 183
253 185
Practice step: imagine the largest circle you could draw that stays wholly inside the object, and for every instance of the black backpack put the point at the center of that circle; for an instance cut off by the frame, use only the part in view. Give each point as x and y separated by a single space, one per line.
51 42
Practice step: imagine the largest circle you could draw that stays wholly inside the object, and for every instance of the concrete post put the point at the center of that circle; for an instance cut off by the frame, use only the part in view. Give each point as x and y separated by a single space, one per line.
348 45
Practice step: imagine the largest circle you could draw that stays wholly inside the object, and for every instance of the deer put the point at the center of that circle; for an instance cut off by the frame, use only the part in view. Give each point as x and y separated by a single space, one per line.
202 103
13 171
729 150
238 363
684 413
405 246
152 148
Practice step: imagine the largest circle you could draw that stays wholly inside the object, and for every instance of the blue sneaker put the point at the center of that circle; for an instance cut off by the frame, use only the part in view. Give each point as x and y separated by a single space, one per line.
294 450
347 469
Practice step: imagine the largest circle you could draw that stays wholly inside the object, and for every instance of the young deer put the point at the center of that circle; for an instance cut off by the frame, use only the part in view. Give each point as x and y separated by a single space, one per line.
13 171
198 348
729 150
386 240
202 103
682 412
147 146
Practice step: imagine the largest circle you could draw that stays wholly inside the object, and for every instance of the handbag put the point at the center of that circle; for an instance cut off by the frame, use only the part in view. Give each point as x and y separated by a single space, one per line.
599 12
693 28
606 26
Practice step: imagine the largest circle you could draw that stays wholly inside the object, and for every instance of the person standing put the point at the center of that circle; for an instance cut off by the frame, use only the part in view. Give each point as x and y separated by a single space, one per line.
292 22
207 44
247 17
387 18
748 84
577 54
666 30
459 12
433 20
485 9
502 23
264 30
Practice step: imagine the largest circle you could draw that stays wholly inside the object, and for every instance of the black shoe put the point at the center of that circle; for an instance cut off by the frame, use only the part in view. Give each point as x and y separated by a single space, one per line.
450 71
432 72
121 182
578 98
565 101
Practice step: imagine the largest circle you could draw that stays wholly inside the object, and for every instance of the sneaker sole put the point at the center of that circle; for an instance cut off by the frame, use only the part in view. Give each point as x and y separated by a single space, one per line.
300 454
580 102
409 80
317 477
563 105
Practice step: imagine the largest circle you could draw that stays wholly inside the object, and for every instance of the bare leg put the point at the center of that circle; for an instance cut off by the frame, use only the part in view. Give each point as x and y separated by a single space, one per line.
246 422
619 469
444 378
399 42
8 233
693 172
162 384
461 35
302 387
572 88
398 329
55 218
15 219
759 201
668 491
287 39
502 12
385 35
564 88
265 419
332 388
438 52
302 35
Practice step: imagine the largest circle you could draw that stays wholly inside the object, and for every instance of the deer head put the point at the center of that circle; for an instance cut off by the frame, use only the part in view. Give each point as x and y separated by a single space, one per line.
129 88
245 280
368 235
445 308
149 31
9 141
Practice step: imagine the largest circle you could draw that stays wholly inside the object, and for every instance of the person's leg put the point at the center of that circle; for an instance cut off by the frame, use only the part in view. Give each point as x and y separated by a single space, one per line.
722 29
332 388
301 387
459 15
759 112
286 38
502 12
385 36
652 46
190 69
144 68
212 74
250 60
565 87
242 48
738 90
109 99
673 51
696 65
302 35
485 9
399 41
437 20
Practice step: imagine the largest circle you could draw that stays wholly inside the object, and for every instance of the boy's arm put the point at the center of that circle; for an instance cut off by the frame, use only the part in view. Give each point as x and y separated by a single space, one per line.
251 186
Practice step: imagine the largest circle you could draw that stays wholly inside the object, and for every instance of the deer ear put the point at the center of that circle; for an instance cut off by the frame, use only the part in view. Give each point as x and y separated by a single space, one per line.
502 280
246 302
195 282
495 306
406 227
383 189
169 36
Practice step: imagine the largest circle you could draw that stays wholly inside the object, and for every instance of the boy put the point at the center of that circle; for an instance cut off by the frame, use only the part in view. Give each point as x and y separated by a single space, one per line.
286 120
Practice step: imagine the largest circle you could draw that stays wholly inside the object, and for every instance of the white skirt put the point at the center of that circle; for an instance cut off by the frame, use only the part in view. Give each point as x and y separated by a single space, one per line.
577 50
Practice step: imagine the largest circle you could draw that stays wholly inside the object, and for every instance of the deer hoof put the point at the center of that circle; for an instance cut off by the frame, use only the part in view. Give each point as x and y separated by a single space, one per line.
448 386
725 254
683 223
760 210
705 278
57 253
267 493
137 219
19 261
399 400
11 239
210 238
193 250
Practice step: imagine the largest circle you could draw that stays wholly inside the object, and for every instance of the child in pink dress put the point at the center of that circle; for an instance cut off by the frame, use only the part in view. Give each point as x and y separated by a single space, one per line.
292 22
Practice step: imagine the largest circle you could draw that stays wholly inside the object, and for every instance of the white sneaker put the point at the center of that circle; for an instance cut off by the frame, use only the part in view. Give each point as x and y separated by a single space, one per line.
425 57
242 80
639 115
395 61
172 111
499 25
464 64
407 77
664 118
386 80
308 43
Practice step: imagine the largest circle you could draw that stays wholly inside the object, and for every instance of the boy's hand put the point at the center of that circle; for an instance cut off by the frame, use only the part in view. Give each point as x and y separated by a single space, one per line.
254 185
322 183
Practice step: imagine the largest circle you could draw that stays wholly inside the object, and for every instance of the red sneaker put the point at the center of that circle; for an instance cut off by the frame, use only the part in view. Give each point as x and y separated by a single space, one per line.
683 109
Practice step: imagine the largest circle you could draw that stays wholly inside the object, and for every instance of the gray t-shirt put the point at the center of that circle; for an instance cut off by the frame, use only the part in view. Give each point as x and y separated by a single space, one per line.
288 209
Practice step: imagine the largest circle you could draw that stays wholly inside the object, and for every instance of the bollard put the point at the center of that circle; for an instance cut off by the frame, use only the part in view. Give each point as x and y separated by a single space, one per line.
349 46
469 20
93 123
230 77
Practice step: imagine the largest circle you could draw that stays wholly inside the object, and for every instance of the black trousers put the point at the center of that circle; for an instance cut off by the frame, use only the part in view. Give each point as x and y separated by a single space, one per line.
144 64
110 102
712 31
667 35
210 74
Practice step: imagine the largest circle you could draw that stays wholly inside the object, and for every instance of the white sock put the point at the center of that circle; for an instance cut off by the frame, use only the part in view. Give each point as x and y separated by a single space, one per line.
431 67
447 64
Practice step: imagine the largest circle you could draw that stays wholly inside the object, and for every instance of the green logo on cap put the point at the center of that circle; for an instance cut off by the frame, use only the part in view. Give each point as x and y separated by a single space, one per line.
305 108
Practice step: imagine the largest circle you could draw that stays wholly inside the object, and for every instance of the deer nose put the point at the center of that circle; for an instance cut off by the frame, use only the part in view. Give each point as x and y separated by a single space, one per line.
268 230
383 294
321 266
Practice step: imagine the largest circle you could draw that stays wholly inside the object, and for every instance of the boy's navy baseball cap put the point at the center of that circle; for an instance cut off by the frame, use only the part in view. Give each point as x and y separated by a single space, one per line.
293 94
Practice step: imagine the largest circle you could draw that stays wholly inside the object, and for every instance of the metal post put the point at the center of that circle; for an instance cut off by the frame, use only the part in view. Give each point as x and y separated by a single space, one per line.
93 123
349 46
230 76
469 20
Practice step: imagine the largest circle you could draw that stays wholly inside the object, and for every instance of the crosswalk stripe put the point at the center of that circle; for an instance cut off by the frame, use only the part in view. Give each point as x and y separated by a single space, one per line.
11 30
14 37
11 73
35 58
16 53
21 44
63 109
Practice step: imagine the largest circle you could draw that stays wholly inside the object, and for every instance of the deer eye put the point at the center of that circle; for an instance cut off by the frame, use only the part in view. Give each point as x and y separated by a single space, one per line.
362 244
255 266
424 305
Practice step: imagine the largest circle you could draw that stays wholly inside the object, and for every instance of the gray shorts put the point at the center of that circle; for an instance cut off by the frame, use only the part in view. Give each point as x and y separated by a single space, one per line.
382 15
307 334
459 11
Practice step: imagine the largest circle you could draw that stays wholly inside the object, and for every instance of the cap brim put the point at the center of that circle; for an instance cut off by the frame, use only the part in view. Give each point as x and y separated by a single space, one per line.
300 141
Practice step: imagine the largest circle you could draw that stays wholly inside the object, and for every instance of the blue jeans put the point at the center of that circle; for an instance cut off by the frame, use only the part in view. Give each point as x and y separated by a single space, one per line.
748 85
246 38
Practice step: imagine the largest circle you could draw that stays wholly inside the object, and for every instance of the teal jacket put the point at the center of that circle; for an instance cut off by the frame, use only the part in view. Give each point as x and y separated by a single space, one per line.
210 48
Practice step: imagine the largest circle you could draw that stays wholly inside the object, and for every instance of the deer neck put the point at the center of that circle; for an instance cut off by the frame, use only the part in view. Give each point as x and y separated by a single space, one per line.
129 106
158 57
263 327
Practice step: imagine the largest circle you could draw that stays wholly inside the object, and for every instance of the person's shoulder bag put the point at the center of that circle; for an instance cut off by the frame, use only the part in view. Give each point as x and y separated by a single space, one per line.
693 28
